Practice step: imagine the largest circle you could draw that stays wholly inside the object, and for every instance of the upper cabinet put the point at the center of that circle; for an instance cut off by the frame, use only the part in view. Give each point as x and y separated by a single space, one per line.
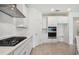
62 19
13 10
52 21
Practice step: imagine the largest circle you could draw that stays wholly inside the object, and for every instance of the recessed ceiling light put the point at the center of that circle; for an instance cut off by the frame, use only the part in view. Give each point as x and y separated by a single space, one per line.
13 6
68 9
52 9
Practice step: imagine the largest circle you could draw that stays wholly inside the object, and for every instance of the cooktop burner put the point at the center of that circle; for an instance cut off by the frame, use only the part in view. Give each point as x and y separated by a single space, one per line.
12 41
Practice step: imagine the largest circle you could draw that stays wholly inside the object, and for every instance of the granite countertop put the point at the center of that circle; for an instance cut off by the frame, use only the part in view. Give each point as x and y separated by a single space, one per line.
8 49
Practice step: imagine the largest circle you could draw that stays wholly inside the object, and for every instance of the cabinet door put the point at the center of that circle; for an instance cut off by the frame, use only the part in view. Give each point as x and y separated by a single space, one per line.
24 48
23 51
29 46
11 53
52 21
62 32
62 19
19 50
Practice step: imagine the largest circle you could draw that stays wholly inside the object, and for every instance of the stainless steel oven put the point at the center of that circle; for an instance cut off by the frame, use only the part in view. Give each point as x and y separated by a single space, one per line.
52 32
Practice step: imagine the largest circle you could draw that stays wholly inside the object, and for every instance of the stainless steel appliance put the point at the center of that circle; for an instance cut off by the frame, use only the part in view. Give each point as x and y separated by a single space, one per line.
52 31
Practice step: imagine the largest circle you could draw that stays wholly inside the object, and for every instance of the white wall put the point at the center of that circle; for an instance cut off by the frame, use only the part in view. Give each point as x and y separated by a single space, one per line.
7 27
7 30
22 21
35 25
5 18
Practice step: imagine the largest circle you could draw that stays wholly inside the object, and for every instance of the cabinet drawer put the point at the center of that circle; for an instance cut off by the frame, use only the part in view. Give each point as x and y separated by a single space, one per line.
23 52
24 48
19 49
11 53
29 47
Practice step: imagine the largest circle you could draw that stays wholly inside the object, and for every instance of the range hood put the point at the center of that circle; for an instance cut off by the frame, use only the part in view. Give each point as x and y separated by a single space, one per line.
11 10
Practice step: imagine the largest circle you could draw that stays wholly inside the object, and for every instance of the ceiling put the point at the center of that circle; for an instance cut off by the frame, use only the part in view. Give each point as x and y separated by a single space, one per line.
45 8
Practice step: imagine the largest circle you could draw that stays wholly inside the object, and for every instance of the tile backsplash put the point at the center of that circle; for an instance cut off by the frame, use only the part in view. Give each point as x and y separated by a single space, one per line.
7 30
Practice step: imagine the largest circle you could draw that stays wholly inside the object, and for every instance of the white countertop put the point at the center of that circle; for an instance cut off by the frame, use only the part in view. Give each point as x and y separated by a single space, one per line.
8 49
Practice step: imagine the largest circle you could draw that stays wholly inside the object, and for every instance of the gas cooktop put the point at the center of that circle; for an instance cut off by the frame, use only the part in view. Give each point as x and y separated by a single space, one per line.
12 41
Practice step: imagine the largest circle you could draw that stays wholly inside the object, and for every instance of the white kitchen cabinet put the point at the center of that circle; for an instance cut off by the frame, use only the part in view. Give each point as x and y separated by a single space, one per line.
63 32
29 46
60 33
77 43
11 53
52 21
19 50
24 49
62 19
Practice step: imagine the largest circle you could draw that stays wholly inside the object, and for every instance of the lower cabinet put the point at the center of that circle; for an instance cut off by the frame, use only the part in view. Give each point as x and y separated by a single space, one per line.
23 49
29 46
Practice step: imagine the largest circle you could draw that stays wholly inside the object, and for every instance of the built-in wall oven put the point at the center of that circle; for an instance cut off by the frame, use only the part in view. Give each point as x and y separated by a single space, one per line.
52 31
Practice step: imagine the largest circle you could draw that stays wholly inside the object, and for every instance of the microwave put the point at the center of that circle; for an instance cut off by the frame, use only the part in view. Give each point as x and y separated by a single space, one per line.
52 29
